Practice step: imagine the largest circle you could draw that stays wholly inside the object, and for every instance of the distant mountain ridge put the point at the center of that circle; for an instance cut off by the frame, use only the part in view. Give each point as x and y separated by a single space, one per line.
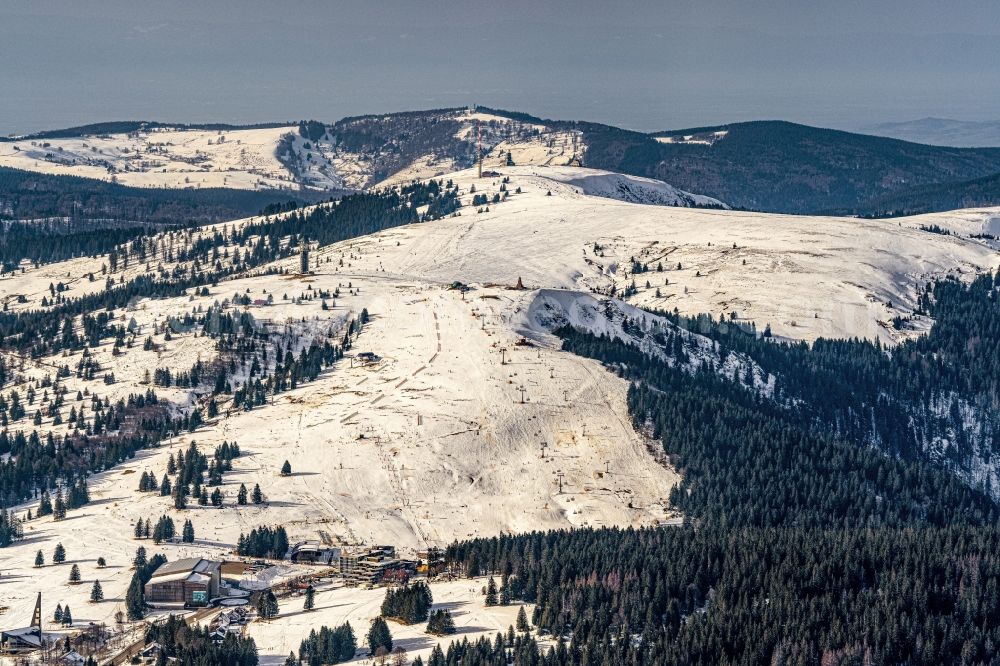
779 166
772 166
125 126
941 132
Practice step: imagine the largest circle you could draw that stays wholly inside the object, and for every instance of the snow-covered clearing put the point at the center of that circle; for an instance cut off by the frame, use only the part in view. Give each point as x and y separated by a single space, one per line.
336 605
703 138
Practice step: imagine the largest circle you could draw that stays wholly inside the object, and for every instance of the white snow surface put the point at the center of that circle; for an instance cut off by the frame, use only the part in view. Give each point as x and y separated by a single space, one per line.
612 185
174 158
704 138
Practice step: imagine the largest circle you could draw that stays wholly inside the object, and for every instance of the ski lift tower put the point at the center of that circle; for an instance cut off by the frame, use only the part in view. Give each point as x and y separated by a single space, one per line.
479 150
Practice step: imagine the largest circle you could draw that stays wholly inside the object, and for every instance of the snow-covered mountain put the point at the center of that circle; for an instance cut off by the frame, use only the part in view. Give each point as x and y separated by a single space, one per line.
472 421
354 153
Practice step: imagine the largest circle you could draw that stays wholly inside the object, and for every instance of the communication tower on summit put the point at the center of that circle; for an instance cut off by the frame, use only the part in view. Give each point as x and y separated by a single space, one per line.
304 257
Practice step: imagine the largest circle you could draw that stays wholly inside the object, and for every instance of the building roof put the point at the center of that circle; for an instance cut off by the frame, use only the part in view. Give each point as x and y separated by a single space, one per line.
183 567
73 657
25 635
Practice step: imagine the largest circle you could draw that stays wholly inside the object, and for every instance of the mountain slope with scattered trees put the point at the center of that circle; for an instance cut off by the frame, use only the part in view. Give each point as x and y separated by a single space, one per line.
45 218
852 433
815 531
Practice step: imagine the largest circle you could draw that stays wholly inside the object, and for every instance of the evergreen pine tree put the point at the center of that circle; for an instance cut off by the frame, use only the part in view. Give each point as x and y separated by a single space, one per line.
491 592
441 623
67 617
286 469
522 620
59 554
96 593
241 495
267 605
310 601
379 636
39 559
256 496
180 496
59 508
74 574
135 604
44 505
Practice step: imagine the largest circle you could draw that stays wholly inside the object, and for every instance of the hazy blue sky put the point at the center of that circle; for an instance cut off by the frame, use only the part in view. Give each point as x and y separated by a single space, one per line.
645 64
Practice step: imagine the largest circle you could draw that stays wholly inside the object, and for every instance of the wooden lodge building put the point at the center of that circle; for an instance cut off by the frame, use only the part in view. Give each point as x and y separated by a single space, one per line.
192 581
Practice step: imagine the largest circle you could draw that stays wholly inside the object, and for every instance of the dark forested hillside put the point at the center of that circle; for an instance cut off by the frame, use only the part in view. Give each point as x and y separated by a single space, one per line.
760 596
784 167
26 195
933 198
